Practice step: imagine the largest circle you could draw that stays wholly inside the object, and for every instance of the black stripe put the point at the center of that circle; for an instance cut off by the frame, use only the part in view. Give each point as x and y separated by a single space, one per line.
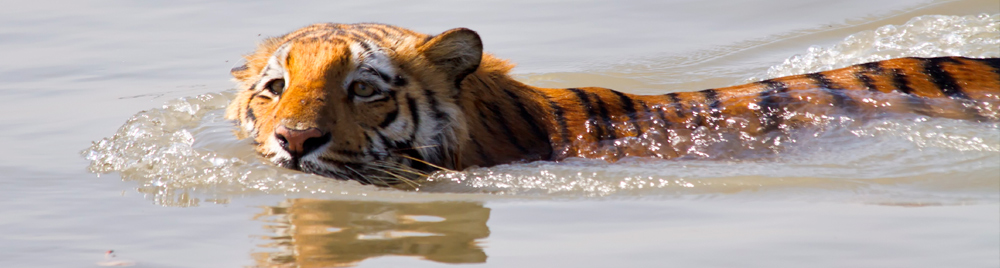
267 69
385 78
505 126
560 119
438 114
629 107
679 108
771 103
380 30
646 113
609 127
389 144
969 104
697 116
839 96
712 97
874 68
916 103
992 62
250 115
900 83
821 80
414 116
366 36
419 165
399 81
942 79
405 147
866 80
660 115
389 118
438 141
491 127
591 116
289 37
527 117
484 120
487 160
360 41
253 86
370 144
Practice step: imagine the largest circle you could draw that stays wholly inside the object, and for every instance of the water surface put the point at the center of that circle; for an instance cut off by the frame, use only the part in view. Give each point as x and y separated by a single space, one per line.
115 140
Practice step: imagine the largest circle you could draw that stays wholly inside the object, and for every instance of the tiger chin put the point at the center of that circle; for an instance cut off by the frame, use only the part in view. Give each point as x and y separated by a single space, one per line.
384 105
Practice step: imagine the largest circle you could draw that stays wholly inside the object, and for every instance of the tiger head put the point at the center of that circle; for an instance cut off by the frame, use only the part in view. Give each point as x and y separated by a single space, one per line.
368 102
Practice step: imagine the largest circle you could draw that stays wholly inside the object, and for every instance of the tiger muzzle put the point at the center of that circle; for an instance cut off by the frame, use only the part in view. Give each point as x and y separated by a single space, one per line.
300 142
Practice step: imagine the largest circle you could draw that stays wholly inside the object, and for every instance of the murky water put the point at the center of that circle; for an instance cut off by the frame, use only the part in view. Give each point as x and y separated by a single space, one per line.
175 188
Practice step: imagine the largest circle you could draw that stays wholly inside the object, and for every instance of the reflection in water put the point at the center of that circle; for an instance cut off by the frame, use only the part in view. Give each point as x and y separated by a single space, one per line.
331 233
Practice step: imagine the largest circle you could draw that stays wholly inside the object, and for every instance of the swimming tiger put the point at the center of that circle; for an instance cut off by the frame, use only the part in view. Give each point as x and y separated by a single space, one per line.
382 105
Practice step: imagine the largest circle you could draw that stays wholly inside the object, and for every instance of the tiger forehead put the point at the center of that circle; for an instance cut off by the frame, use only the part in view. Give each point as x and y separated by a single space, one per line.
382 35
313 56
309 59
365 47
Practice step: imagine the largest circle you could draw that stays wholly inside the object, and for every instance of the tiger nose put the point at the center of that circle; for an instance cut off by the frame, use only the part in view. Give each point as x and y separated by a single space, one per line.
300 142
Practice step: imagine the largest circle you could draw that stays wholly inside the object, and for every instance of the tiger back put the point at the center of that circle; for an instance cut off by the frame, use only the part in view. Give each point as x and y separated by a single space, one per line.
662 125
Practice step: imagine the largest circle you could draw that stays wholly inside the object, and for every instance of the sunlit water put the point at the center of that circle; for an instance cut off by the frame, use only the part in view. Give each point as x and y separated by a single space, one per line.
188 147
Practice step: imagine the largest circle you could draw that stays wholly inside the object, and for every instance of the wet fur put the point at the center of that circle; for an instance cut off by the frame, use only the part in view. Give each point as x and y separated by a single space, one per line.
452 106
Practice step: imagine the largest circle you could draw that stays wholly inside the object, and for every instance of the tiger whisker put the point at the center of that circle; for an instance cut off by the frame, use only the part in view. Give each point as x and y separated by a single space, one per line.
420 147
382 180
425 162
362 176
402 168
403 179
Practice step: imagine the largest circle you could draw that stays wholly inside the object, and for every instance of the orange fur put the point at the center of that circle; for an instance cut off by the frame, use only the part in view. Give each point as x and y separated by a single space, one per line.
440 102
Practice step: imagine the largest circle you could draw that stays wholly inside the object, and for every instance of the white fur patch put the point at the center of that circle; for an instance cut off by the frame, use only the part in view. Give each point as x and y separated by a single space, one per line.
371 63
275 67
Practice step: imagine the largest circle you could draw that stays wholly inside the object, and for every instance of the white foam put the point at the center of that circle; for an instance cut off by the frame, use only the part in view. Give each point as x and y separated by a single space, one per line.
925 36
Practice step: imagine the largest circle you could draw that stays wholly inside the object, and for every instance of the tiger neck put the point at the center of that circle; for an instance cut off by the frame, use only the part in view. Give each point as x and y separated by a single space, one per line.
506 121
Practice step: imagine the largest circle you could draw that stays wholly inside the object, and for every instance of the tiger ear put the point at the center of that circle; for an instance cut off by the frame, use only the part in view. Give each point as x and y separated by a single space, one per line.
242 76
240 72
457 52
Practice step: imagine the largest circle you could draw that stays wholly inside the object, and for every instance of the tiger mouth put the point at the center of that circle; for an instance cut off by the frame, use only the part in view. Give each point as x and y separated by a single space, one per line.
377 172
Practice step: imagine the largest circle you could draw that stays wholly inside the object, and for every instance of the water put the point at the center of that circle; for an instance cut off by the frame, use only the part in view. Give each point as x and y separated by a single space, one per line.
174 188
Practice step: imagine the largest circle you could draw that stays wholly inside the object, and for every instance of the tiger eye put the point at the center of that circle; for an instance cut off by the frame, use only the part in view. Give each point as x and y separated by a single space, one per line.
276 86
362 89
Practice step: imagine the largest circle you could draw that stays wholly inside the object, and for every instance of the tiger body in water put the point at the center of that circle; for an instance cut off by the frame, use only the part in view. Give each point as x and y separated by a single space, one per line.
381 105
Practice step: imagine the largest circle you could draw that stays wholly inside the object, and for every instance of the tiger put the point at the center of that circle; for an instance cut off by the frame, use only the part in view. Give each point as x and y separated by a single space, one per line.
385 105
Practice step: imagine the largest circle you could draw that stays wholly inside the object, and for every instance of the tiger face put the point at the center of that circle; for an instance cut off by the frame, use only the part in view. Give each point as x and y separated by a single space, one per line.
367 102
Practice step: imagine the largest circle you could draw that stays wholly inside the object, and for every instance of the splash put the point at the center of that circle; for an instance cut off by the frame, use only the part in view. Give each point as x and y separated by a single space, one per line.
925 36
185 151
